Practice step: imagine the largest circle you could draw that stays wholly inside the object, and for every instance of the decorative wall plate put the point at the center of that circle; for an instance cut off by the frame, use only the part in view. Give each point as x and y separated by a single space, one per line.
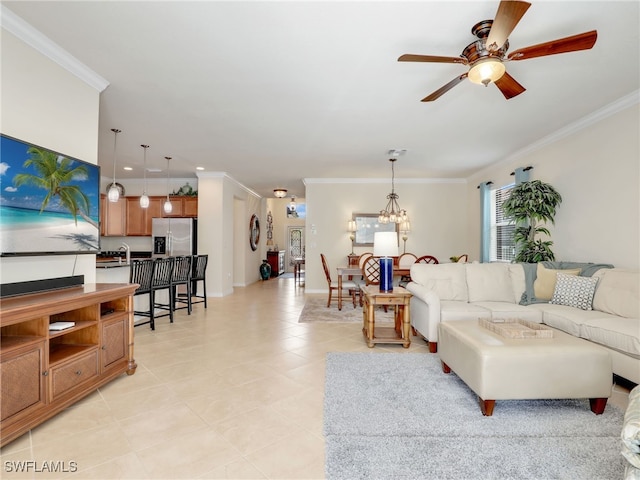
254 232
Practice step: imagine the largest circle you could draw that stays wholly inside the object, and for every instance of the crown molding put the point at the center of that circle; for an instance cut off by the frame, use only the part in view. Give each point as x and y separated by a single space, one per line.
226 177
310 181
35 39
597 116
614 107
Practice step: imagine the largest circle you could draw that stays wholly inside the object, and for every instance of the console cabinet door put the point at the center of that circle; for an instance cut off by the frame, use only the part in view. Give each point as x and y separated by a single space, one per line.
22 381
114 342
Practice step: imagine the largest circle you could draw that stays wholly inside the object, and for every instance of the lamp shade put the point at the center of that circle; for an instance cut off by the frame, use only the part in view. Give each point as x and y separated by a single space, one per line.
385 244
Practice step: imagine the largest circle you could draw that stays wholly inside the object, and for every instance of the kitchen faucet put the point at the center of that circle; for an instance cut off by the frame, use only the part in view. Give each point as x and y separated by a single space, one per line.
127 251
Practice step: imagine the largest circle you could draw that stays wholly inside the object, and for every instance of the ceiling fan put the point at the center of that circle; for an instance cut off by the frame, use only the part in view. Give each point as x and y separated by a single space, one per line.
486 56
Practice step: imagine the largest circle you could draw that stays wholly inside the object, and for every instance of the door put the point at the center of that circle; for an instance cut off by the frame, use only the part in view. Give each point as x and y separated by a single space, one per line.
295 246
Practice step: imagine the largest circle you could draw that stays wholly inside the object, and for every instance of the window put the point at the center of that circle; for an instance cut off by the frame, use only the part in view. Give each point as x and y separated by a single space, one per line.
502 246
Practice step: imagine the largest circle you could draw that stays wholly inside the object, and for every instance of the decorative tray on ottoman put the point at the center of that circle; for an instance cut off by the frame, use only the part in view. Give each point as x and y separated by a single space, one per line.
516 328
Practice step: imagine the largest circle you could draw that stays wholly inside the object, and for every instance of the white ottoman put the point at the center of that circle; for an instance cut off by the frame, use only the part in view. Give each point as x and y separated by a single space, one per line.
498 368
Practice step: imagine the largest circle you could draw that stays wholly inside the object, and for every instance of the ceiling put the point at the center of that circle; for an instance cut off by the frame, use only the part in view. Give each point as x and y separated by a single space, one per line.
273 92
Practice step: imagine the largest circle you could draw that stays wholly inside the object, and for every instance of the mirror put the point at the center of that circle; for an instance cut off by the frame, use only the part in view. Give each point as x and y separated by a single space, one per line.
367 225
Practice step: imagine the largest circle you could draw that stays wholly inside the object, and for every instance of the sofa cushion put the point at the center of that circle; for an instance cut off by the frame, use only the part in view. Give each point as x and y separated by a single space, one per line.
447 280
545 283
618 293
453 310
618 333
511 310
567 319
574 291
490 282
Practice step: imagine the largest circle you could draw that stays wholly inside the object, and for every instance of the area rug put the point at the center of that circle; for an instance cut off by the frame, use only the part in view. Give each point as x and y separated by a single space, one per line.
397 415
315 310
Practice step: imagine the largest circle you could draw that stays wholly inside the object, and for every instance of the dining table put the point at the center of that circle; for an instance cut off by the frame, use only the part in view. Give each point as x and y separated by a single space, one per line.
353 271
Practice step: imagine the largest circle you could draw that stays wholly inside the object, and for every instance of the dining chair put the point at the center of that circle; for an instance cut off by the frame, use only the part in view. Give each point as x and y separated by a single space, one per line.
464 258
161 280
181 276
405 261
141 272
427 259
198 274
349 286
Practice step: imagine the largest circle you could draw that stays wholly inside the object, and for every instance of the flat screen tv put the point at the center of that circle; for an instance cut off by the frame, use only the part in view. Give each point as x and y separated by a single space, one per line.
49 202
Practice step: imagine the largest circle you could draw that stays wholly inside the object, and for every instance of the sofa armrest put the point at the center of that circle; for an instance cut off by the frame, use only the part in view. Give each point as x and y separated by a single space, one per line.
425 311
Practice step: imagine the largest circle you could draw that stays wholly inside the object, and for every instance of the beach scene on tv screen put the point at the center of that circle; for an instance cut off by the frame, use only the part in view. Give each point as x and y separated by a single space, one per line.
49 203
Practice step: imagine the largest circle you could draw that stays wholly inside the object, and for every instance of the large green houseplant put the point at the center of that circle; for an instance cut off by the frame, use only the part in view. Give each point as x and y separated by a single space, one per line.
531 205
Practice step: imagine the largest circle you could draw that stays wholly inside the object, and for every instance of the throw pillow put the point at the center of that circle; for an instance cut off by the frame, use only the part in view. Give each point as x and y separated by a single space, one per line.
574 291
545 282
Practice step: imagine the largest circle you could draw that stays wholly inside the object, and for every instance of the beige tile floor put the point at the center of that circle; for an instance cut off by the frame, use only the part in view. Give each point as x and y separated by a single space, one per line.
233 391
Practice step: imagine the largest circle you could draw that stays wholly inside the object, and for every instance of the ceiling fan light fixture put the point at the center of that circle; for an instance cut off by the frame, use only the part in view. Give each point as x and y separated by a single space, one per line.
485 71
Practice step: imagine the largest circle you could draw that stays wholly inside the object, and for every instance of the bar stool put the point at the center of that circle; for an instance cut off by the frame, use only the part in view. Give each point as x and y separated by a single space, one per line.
162 274
141 272
198 274
181 276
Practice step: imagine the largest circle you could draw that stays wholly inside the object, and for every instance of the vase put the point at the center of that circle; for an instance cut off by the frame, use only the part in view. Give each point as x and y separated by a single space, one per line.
265 270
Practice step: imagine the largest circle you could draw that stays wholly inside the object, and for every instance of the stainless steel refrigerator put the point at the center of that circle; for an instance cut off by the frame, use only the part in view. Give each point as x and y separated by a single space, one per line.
174 236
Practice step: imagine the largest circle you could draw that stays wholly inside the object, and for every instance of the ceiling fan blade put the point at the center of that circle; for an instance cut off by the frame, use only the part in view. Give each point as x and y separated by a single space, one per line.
408 57
507 17
509 86
582 41
442 90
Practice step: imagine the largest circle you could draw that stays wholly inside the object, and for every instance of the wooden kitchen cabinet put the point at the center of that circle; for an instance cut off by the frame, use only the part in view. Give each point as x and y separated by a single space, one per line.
139 219
44 371
184 207
112 217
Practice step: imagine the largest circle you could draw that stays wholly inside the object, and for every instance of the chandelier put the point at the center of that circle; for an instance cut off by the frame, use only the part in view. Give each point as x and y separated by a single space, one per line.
392 212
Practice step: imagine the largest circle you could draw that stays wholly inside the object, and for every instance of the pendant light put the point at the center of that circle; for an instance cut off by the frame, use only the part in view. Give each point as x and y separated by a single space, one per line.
114 193
144 199
167 203
392 212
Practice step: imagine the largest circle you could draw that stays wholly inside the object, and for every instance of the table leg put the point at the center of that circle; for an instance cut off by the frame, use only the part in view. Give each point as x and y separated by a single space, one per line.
406 324
370 325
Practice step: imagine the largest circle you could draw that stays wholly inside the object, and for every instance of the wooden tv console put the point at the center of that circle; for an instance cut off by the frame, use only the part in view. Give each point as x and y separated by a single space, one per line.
42 371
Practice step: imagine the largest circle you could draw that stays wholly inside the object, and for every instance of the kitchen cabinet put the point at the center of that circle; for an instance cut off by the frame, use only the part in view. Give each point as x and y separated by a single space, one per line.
112 217
182 207
138 221
126 218
44 371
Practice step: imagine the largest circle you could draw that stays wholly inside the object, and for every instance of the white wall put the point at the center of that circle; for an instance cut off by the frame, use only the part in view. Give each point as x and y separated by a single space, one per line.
437 210
44 104
596 170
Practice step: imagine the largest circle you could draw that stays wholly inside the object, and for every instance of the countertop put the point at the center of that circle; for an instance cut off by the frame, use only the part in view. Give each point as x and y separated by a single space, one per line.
111 264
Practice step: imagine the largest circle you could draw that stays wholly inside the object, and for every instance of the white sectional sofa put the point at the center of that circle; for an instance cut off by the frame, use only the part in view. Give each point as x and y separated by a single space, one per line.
450 292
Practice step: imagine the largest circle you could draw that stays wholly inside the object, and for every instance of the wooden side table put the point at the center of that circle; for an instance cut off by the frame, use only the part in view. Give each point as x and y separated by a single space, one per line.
399 298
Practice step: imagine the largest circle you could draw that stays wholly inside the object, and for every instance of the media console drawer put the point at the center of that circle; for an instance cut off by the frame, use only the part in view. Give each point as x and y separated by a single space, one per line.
75 372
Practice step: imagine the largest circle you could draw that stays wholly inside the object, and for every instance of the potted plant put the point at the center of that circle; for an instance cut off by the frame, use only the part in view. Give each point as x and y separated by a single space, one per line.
531 205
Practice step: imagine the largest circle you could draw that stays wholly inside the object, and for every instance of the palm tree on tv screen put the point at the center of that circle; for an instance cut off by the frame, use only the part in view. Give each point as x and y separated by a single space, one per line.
54 174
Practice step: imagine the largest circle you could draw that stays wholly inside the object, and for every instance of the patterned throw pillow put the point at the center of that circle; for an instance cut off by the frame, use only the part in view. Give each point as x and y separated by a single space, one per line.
574 291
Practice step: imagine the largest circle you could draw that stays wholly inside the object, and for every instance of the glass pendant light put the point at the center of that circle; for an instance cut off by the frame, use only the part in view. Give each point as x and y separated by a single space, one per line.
167 203
144 199
114 193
